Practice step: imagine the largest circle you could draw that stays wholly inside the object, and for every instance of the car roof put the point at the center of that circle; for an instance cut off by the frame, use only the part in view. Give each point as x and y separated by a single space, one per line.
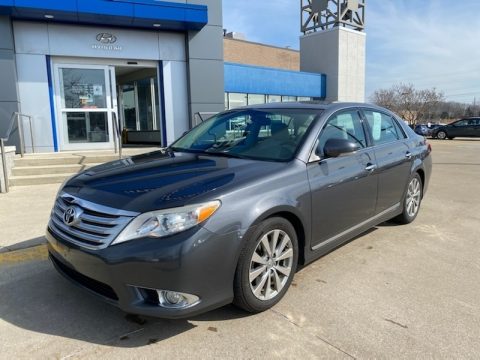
315 105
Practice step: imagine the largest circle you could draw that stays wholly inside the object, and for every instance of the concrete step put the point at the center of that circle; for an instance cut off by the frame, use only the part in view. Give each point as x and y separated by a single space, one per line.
39 179
49 169
63 160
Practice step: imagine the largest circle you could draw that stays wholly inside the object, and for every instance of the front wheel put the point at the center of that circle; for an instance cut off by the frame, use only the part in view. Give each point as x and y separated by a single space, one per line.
412 200
266 265
442 135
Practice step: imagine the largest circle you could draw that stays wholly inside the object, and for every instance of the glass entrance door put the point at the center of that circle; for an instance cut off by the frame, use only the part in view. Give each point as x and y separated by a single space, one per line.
85 106
139 104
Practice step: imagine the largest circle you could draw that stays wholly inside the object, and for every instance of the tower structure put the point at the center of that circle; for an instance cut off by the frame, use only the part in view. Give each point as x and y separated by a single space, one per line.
333 43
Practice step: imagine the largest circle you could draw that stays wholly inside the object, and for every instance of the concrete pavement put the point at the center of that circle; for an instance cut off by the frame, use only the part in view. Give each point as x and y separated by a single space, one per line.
396 292
24 214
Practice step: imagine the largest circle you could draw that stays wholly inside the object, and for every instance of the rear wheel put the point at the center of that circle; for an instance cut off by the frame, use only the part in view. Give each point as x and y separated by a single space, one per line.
412 201
442 135
266 266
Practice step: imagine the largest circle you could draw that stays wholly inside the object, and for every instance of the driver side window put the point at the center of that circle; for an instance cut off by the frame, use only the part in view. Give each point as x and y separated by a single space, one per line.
461 123
345 125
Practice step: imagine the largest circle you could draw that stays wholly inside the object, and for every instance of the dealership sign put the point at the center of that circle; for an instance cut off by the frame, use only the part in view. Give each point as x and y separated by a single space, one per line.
107 42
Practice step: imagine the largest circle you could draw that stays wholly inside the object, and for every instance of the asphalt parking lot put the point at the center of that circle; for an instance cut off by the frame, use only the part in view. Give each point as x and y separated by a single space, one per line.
395 292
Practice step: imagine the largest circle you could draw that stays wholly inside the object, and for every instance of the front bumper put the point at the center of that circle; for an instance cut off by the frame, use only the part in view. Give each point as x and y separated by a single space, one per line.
196 262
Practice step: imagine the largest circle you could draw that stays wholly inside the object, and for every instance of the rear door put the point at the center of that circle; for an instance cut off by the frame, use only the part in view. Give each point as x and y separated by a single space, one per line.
343 189
476 128
473 127
393 155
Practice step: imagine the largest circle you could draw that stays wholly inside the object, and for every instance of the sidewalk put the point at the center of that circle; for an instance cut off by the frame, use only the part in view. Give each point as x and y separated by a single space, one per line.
24 214
25 210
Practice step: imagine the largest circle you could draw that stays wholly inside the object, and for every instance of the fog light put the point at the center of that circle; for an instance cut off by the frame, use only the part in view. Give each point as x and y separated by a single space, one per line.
173 297
176 300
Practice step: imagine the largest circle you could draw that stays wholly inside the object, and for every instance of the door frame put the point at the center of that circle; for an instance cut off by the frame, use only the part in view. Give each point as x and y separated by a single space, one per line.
63 143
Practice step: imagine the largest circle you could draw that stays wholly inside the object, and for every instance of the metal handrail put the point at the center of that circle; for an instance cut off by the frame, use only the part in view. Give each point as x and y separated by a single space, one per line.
117 139
15 116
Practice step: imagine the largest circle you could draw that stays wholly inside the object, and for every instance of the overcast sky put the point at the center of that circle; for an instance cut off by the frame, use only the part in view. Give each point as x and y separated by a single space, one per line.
430 43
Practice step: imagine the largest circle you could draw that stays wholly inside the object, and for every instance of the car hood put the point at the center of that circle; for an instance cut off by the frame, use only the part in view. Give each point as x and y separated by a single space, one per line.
162 180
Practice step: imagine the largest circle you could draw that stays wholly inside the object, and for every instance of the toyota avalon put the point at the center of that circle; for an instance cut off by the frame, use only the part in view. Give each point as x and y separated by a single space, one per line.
230 210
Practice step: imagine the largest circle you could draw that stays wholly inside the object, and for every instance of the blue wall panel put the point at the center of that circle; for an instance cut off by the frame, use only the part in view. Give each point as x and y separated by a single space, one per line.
113 8
64 5
248 79
135 13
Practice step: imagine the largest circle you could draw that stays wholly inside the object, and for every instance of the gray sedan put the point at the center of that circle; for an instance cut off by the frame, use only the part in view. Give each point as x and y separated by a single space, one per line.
230 210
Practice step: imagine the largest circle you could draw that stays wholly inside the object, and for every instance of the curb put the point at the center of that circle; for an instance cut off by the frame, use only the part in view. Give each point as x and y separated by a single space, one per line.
23 246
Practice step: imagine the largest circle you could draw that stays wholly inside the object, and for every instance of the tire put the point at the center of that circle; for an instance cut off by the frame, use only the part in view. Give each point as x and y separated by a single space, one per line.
259 284
414 193
442 135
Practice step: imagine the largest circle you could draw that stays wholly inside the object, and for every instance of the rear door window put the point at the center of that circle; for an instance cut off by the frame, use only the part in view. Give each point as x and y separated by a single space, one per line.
383 128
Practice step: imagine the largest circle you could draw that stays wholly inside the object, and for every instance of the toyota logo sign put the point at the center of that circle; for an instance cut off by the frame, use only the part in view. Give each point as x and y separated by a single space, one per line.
71 216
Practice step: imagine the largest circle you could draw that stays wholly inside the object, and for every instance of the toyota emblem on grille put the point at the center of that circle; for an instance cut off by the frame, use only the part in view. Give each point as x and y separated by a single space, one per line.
71 216
106 38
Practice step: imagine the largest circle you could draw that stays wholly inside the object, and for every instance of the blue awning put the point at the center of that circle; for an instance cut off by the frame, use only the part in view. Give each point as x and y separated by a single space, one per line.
149 14
249 79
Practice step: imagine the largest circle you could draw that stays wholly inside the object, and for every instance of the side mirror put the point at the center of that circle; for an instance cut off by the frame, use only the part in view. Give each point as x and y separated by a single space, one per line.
337 147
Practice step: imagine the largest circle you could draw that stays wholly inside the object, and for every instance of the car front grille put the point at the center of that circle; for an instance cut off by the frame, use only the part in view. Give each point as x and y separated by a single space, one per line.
95 226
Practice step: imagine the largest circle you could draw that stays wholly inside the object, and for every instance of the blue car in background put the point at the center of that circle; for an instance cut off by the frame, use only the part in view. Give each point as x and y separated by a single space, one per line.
425 130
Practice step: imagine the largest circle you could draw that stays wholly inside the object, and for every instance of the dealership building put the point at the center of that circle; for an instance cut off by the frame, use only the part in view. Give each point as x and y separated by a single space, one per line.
84 70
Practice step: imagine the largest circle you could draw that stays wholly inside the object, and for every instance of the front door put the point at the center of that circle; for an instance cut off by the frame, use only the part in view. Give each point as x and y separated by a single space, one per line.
343 189
85 106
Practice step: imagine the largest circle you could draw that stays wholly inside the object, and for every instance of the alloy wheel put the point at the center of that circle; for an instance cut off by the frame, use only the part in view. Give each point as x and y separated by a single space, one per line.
414 194
442 135
271 264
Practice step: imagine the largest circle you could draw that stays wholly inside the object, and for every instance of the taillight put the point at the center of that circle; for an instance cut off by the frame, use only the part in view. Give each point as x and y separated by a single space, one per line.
429 147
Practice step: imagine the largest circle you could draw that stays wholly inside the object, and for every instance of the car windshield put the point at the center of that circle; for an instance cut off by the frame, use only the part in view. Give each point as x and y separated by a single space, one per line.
260 134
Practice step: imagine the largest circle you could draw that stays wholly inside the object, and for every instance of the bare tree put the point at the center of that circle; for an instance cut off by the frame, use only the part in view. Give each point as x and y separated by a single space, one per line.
408 102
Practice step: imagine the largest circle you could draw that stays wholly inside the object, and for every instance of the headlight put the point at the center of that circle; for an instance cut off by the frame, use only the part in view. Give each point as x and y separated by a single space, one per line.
167 222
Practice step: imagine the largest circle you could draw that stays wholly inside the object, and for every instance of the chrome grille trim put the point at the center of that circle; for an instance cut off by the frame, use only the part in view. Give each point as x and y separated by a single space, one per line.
98 226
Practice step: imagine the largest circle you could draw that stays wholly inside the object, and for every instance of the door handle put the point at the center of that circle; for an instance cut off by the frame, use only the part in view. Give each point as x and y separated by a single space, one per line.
371 167
408 155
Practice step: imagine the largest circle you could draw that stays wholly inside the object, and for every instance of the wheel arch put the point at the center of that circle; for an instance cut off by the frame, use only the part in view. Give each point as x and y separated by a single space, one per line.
292 215
421 173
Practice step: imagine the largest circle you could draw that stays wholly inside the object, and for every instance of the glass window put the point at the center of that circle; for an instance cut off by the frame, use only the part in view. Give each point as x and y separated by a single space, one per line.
145 104
461 123
236 100
87 127
273 99
345 125
401 133
271 135
83 88
383 128
139 101
304 98
129 107
289 98
254 99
